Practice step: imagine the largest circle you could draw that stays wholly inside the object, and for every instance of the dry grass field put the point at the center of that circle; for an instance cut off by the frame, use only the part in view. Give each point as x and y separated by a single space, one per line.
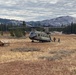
22 57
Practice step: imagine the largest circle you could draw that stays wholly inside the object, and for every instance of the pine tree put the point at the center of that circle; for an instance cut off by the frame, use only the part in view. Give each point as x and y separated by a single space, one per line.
24 24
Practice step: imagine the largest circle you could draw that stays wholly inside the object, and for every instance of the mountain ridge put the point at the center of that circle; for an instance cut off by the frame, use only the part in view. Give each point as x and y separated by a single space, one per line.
58 21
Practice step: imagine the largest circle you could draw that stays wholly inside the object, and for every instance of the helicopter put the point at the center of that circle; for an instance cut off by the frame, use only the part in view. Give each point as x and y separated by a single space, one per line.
39 36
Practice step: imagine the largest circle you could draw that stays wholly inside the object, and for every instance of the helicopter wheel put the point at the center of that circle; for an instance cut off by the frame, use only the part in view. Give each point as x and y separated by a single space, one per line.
32 40
39 41
50 41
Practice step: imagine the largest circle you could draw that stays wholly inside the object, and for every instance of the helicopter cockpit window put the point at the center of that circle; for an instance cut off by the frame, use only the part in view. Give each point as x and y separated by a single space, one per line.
32 34
38 34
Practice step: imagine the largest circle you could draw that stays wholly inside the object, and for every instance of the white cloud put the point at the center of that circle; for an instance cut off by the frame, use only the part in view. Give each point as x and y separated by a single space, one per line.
44 1
54 1
73 15
36 9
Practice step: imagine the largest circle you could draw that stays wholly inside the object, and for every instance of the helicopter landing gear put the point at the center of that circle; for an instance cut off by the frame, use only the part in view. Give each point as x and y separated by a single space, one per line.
32 40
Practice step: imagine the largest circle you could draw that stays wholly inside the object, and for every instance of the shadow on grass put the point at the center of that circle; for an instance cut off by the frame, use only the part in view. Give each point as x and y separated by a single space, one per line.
25 49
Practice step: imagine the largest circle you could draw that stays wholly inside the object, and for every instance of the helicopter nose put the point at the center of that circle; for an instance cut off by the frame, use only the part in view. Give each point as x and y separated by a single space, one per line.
32 36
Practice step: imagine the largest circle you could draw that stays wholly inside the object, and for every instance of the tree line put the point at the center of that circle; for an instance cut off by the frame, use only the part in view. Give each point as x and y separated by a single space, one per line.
19 30
67 29
70 29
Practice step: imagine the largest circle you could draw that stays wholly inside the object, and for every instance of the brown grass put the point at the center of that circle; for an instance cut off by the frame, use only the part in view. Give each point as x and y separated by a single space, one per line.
29 63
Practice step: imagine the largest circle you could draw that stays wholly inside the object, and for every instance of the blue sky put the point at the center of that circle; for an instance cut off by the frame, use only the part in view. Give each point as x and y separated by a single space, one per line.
34 10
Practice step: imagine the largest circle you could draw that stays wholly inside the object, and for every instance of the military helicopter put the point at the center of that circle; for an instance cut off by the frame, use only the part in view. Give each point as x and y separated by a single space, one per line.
39 36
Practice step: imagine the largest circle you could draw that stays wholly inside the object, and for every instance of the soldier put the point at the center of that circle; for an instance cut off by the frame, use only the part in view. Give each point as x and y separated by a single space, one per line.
54 39
59 40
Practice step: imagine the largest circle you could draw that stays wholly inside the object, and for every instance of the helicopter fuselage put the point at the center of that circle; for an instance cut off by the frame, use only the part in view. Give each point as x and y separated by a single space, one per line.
39 36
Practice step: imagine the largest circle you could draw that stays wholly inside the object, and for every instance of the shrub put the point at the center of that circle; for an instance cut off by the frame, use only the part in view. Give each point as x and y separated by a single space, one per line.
1 33
12 33
18 33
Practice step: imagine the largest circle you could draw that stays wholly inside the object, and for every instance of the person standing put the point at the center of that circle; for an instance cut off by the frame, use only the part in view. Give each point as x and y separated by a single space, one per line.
59 40
54 39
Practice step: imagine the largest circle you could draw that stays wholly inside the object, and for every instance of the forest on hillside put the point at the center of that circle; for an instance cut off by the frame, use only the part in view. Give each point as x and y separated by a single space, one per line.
69 29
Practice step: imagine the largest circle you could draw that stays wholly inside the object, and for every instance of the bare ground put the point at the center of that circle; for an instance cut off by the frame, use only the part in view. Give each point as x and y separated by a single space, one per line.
36 62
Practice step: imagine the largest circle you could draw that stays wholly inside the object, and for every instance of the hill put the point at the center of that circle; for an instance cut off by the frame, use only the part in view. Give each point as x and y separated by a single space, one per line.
63 20
10 21
58 21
